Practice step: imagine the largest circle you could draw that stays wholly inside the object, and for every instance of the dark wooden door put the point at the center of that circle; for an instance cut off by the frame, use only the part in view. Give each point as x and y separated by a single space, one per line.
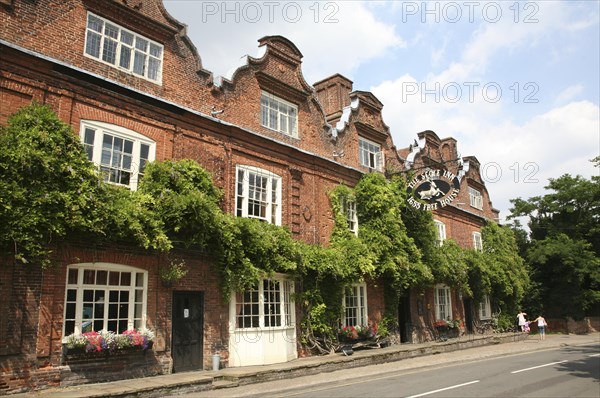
404 318
188 331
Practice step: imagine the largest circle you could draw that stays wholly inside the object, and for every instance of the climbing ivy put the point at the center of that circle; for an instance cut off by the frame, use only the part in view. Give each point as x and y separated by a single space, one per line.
49 190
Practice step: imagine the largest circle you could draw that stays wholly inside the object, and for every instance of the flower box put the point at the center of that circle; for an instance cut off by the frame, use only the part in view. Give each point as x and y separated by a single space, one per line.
96 345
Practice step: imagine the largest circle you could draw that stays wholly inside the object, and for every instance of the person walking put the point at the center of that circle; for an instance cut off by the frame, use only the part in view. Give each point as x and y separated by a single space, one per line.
541 324
522 321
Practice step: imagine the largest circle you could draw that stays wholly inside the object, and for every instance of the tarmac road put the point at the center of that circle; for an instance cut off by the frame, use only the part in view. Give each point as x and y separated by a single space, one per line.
310 372
527 368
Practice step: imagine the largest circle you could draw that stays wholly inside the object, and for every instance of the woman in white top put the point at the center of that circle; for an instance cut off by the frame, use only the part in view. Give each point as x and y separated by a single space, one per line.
522 321
541 324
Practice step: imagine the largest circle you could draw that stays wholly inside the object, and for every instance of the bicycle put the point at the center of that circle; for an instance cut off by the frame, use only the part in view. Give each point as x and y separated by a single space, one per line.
484 326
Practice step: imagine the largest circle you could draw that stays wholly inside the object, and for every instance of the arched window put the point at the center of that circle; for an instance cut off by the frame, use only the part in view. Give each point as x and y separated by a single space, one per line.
120 153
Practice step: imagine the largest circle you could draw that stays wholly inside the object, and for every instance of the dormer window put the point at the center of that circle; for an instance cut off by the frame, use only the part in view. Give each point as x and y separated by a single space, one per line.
370 154
109 43
475 198
279 115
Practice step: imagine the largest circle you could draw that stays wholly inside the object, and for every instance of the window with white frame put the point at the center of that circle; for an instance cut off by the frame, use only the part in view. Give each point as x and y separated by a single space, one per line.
355 305
477 242
475 198
258 194
278 114
441 232
110 43
121 154
349 210
267 304
442 301
485 309
370 154
104 296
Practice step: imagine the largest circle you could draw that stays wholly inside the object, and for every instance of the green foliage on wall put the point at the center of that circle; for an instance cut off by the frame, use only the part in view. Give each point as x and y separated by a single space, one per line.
49 190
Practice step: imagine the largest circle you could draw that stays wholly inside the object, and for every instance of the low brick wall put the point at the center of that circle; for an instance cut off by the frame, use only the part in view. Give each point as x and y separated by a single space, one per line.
566 326
389 354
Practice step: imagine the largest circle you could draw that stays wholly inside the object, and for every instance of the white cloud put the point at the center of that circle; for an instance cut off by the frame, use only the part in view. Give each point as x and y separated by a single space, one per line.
543 141
334 37
569 93
517 158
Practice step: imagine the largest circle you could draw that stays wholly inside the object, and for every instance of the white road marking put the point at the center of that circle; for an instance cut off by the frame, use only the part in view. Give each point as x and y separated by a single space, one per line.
595 355
443 389
540 366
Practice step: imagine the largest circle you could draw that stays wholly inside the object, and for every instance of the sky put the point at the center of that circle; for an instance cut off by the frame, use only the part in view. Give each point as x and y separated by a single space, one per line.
516 83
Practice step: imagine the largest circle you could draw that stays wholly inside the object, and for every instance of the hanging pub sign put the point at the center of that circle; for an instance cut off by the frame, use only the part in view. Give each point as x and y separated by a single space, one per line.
433 189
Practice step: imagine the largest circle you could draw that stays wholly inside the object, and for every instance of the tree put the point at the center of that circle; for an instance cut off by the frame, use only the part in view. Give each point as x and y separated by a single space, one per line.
506 270
572 209
564 247
568 273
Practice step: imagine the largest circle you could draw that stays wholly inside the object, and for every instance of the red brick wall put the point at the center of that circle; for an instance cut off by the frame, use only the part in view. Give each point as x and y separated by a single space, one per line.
423 323
62 24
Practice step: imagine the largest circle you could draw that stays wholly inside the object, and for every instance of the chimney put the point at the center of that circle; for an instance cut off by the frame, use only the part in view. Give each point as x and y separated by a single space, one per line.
334 94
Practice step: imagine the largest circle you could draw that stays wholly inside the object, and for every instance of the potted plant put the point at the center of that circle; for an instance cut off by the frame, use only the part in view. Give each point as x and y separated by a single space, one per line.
173 272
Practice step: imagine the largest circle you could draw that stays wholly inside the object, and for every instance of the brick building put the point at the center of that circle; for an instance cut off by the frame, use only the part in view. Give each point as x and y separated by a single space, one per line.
123 74
459 214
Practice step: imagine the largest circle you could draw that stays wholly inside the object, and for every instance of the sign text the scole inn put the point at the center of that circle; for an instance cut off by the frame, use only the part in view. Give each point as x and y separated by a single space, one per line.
433 189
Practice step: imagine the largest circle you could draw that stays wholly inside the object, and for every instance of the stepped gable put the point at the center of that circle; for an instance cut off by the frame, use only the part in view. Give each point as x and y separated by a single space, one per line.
368 118
354 115
56 30
472 171
277 73
429 151
277 69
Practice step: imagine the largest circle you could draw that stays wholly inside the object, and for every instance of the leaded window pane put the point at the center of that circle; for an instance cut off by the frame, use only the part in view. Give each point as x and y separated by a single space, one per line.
278 115
110 43
92 45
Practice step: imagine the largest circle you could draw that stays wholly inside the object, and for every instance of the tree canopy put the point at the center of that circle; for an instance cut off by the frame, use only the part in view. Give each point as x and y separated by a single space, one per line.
564 246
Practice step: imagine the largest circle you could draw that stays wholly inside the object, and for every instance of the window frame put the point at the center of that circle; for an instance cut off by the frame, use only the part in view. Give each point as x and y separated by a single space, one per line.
485 309
80 287
359 291
349 211
475 198
441 232
119 46
285 315
242 194
266 118
96 154
477 241
444 291
367 155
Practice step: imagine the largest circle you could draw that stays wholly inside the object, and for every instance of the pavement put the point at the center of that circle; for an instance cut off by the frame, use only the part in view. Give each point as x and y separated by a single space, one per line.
469 347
